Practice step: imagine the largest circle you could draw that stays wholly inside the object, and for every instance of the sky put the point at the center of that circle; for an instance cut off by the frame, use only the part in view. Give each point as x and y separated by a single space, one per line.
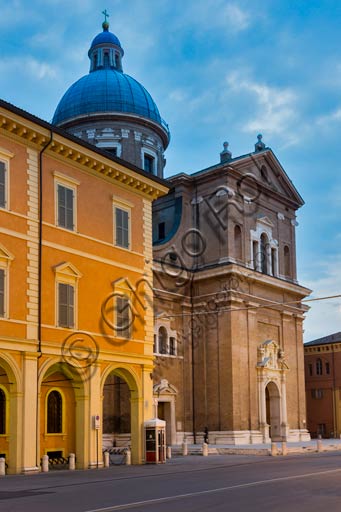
218 70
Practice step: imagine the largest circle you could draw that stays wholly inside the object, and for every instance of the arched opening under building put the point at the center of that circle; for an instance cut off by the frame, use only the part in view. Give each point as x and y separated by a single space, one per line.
8 416
61 420
116 412
273 411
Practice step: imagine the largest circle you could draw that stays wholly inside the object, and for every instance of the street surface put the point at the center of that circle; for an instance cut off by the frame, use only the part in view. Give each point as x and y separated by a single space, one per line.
216 483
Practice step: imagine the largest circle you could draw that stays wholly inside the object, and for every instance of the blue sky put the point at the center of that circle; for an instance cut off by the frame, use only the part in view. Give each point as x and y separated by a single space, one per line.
218 70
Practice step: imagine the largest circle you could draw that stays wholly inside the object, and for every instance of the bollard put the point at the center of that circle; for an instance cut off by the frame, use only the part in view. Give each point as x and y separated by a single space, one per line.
106 459
169 452
205 449
128 458
284 448
273 449
319 445
184 448
45 464
72 462
2 467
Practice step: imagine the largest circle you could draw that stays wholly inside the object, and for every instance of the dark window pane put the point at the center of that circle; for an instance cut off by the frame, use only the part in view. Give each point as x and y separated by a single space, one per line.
148 163
54 413
2 292
2 412
162 231
2 185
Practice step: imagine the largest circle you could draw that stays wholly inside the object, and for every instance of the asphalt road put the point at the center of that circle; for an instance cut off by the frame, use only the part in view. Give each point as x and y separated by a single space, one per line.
215 483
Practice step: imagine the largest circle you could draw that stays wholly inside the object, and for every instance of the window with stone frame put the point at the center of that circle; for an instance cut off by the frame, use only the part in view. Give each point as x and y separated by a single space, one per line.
65 207
122 227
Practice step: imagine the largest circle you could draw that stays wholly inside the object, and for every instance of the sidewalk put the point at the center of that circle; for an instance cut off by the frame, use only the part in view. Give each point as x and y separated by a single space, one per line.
261 449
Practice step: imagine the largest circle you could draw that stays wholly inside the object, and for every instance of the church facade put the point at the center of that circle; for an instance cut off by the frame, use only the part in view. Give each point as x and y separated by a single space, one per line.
228 311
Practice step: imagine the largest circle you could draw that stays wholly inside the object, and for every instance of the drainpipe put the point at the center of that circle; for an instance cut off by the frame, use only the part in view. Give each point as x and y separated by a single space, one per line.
40 243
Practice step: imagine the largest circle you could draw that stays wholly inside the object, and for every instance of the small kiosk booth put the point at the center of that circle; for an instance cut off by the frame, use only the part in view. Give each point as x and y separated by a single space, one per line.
154 441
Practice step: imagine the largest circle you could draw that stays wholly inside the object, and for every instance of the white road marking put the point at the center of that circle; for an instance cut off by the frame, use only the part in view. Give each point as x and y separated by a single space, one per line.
134 504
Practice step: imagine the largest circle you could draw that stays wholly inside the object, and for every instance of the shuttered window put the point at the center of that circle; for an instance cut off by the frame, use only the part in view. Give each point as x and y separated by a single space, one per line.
66 299
122 228
122 317
65 207
2 185
2 292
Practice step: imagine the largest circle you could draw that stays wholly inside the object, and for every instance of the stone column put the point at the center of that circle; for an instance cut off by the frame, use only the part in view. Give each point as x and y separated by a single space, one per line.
29 431
284 418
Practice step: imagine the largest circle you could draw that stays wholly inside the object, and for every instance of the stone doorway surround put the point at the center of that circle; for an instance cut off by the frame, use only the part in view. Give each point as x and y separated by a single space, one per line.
271 378
166 393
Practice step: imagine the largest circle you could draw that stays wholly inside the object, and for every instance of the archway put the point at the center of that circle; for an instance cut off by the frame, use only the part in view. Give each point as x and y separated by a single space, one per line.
273 411
9 406
116 412
61 414
122 411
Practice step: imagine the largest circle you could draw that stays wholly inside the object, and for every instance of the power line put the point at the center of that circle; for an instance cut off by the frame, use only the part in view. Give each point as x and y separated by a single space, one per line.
264 306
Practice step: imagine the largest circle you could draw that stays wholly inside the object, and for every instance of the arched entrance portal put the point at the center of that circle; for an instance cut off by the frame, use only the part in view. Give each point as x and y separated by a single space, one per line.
61 420
116 412
273 411
122 411
9 407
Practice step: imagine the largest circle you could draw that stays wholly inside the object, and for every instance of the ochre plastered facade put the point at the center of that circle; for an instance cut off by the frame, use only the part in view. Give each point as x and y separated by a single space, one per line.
34 359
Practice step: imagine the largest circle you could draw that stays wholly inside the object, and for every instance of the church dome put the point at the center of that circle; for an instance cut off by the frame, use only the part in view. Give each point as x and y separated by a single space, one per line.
106 90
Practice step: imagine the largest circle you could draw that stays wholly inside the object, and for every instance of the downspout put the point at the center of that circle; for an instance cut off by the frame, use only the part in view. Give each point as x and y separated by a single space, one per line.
40 244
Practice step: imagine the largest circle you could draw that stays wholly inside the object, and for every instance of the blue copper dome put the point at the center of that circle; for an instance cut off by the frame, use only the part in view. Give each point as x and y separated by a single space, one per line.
106 91
104 38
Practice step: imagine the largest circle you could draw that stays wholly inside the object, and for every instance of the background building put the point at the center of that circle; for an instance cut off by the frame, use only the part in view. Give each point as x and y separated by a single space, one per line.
322 358
228 319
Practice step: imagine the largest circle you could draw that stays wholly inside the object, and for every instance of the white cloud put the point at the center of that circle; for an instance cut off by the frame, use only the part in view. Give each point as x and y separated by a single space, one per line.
28 65
237 18
330 118
273 108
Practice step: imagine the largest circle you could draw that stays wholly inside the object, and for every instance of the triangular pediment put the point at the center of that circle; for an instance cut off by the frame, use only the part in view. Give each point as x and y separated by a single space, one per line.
265 221
164 388
270 173
5 254
67 269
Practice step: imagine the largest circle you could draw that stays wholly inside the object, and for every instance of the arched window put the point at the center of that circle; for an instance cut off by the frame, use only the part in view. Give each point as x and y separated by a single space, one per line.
54 413
2 412
238 248
287 266
264 253
163 340
319 369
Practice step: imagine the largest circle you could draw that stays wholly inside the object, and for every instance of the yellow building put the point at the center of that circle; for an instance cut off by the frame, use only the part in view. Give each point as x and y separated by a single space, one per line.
75 304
